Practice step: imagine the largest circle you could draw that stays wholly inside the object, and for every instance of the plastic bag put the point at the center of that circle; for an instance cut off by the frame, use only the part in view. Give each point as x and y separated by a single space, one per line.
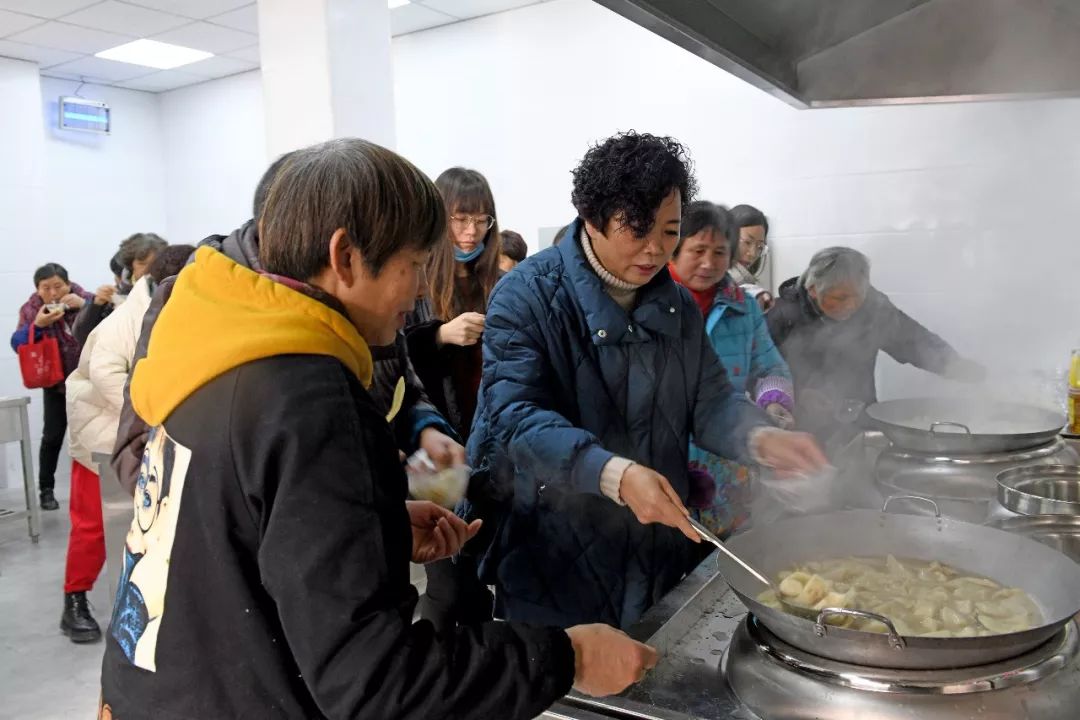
442 487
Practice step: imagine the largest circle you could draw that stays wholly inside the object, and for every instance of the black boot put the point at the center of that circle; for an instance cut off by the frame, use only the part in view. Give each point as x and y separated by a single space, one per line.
77 622
48 500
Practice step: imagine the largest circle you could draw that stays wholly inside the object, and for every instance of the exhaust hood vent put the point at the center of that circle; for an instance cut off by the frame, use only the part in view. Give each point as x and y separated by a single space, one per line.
828 53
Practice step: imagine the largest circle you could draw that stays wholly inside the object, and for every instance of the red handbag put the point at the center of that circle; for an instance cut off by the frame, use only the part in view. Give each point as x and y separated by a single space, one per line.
40 362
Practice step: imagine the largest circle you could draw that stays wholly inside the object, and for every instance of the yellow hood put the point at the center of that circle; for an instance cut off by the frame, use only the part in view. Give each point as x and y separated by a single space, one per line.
222 315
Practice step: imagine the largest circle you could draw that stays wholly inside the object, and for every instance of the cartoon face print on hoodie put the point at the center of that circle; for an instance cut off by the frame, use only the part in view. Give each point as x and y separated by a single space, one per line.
140 601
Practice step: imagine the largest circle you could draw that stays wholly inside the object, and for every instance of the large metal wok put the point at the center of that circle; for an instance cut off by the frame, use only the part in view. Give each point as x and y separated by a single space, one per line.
946 425
1049 577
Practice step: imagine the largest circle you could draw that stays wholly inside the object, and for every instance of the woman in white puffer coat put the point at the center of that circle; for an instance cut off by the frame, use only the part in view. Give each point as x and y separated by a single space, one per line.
95 394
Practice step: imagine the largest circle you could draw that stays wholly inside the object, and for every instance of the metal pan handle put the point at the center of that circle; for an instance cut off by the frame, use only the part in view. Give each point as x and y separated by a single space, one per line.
937 510
945 423
821 629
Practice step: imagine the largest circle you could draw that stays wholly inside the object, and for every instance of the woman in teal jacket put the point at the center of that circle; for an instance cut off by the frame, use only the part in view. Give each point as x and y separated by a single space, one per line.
735 326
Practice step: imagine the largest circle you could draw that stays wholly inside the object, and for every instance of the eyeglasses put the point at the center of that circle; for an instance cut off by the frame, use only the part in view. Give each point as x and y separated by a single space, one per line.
480 222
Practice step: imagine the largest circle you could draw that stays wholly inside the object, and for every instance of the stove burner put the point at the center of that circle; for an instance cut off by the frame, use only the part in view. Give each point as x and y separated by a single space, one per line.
1054 655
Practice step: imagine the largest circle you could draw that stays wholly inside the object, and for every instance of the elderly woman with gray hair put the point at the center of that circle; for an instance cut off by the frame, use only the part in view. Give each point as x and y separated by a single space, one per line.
130 263
830 324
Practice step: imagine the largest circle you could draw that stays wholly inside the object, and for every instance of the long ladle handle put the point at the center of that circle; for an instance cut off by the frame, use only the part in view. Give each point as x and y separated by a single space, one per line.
704 533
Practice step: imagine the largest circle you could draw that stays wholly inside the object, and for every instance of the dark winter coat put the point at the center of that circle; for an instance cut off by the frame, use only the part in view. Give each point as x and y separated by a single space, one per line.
571 380
833 362
266 573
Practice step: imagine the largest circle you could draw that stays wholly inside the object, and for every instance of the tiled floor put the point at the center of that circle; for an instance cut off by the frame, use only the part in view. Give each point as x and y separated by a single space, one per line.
43 675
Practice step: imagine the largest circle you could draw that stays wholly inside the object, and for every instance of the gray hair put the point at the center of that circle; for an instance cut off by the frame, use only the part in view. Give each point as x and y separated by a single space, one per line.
836 265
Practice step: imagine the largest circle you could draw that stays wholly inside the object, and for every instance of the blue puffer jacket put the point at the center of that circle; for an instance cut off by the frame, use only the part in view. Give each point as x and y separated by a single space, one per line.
571 380
737 330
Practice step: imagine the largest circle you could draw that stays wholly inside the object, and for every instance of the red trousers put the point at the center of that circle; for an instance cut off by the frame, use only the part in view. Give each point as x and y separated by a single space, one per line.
86 544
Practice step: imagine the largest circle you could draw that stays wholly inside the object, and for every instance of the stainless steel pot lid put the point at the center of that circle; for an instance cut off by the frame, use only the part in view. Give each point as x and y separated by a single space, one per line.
944 425
1041 490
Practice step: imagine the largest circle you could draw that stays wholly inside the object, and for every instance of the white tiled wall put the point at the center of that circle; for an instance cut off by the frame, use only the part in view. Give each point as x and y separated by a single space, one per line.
68 197
22 209
215 152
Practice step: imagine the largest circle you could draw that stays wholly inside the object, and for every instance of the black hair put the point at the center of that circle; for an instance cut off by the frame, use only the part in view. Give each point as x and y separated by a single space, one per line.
50 270
513 245
627 177
170 261
701 215
382 201
749 216
463 191
116 265
267 179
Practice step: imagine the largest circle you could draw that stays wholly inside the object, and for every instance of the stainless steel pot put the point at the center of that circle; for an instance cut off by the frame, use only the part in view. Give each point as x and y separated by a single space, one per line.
1049 577
1043 490
967 427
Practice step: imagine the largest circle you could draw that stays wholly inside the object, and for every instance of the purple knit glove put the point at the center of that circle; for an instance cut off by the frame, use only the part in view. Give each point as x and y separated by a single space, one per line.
776 391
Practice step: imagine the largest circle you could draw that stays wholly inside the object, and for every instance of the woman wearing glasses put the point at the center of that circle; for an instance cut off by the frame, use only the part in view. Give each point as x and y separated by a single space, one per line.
444 345
444 339
749 267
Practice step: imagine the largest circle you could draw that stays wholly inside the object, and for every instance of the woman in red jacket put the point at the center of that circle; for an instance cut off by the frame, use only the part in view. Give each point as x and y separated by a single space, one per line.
51 312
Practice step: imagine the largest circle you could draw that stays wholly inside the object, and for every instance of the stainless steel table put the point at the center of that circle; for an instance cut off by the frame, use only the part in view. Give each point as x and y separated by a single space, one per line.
15 427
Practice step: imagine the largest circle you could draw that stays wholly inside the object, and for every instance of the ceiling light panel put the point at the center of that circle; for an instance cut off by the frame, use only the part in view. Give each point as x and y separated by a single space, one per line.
154 54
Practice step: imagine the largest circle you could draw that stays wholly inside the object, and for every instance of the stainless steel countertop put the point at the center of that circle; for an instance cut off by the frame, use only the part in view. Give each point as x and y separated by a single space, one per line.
686 684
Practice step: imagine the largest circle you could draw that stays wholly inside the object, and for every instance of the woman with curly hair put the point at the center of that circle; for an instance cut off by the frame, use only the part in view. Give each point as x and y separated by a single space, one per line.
597 372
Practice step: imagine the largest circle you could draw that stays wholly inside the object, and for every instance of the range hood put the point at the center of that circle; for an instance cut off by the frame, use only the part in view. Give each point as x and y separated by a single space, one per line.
829 53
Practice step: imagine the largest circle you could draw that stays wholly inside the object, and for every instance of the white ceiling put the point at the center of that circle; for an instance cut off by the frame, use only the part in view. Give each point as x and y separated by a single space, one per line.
62 35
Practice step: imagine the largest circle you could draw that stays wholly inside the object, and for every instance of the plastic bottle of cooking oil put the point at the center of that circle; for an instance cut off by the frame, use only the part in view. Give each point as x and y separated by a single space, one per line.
1074 393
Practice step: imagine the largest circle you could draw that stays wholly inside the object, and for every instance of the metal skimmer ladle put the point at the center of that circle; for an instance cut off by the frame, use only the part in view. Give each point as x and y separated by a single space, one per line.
798 610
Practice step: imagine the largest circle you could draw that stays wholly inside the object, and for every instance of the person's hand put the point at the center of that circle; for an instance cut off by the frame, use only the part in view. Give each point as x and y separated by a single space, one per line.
464 330
104 295
765 301
788 453
442 450
780 415
73 301
606 660
437 532
652 499
46 317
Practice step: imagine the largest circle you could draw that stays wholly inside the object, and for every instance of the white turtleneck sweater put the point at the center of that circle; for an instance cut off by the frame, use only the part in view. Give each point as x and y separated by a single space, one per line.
621 291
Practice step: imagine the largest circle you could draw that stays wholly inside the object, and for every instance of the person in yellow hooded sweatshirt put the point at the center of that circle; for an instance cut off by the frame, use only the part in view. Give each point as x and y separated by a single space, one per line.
267 566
